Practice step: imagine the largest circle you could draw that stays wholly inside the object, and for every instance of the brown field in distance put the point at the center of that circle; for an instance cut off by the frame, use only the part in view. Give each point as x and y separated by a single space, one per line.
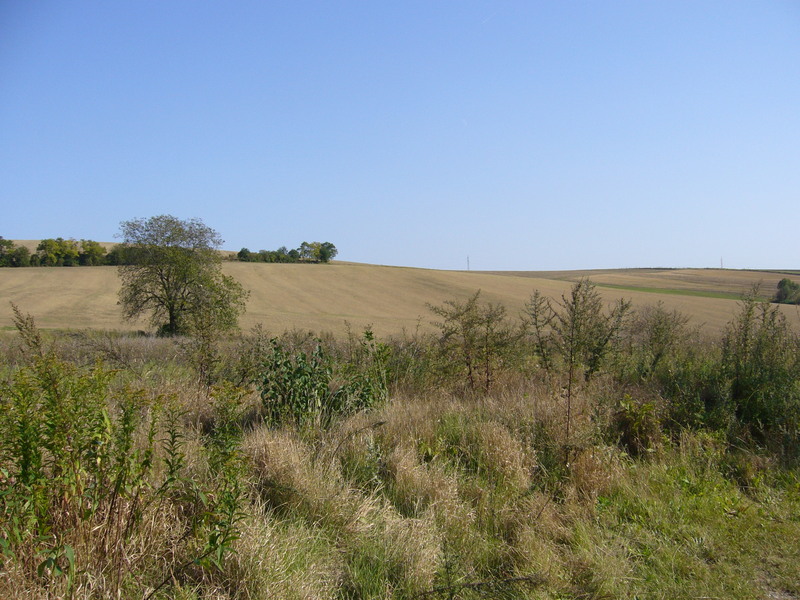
712 281
325 298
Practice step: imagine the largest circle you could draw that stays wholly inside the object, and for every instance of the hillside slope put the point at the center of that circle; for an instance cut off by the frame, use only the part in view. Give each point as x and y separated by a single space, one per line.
391 299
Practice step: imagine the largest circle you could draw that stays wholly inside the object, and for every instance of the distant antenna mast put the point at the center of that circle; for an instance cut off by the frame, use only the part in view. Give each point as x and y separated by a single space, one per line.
467 262
720 263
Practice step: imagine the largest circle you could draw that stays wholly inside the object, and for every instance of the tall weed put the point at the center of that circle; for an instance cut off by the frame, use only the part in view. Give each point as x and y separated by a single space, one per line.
761 360
307 388
89 505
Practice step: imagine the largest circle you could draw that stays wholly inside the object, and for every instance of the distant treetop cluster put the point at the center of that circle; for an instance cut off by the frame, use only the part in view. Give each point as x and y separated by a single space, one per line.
60 252
57 252
12 255
307 252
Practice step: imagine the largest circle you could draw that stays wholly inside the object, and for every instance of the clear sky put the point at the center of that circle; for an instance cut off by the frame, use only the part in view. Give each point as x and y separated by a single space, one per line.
525 135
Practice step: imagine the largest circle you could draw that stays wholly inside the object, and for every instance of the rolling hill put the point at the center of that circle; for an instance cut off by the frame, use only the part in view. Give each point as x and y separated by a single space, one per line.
392 299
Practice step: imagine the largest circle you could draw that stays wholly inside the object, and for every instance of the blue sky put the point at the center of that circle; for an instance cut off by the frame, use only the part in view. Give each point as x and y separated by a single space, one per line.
523 135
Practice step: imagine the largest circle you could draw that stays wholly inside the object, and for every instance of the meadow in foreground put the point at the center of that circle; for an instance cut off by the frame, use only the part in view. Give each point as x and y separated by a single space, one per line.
485 461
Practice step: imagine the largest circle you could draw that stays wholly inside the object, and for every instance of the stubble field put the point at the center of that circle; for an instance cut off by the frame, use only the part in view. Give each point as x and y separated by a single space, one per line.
328 298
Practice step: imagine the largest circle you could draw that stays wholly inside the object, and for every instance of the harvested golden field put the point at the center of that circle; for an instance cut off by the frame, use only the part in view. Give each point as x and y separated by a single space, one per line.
710 281
391 299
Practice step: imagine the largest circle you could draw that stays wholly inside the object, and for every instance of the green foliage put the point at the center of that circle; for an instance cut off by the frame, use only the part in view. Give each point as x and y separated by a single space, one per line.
219 306
654 335
365 372
12 255
68 460
326 252
788 292
108 490
6 247
20 257
244 255
216 511
475 339
538 319
81 487
307 252
696 390
747 387
116 256
224 510
579 332
91 254
58 252
582 332
761 359
295 386
48 252
51 252
301 387
173 273
636 425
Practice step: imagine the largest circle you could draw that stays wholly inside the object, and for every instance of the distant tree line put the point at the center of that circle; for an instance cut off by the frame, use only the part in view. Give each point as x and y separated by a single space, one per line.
320 252
12 255
60 252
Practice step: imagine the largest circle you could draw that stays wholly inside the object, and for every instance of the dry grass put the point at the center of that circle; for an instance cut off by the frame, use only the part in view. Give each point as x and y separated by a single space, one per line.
441 493
283 559
732 281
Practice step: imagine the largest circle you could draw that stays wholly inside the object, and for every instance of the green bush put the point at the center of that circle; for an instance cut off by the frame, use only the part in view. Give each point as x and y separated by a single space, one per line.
89 497
748 386
303 387
636 424
476 340
68 458
761 360
788 292
294 386
653 336
696 391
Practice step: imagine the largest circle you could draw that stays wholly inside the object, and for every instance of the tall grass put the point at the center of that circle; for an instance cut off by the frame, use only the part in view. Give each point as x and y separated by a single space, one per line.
97 494
122 474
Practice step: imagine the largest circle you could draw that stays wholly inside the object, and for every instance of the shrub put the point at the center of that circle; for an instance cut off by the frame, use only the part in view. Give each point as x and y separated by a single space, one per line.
295 387
475 339
580 333
365 373
761 359
788 292
695 389
88 497
654 335
301 386
636 424
69 460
